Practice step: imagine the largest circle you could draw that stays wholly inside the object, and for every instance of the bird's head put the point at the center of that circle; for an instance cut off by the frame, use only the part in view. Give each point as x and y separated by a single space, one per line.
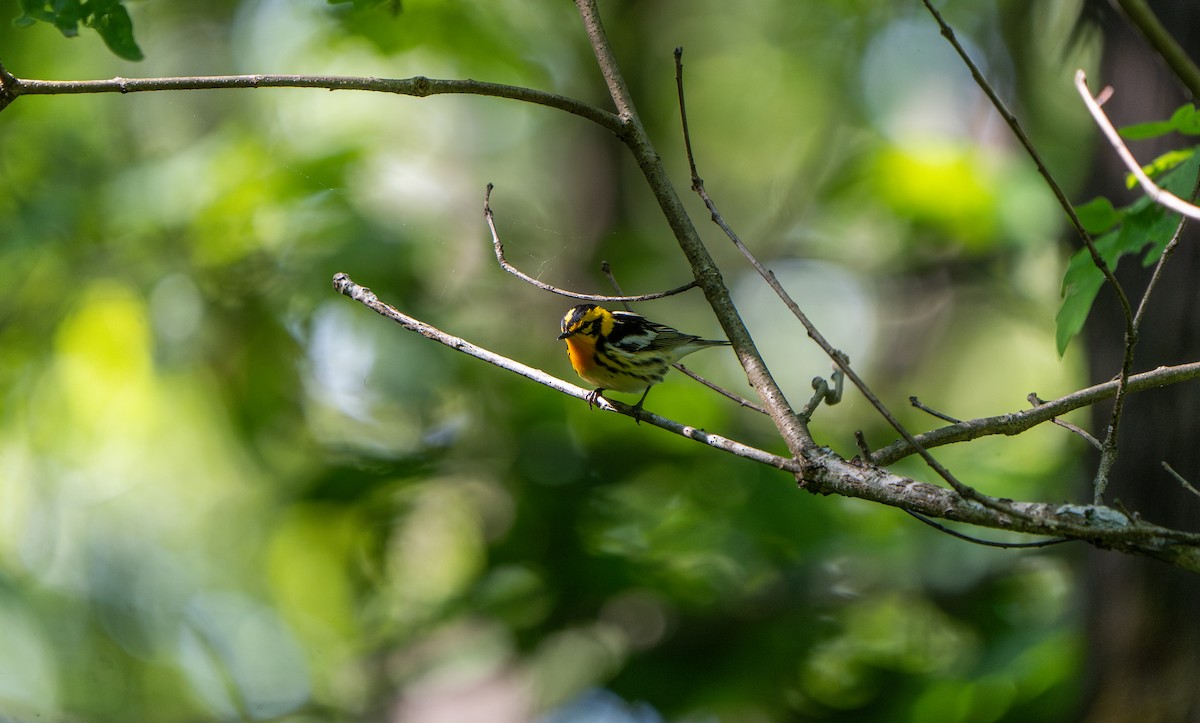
587 320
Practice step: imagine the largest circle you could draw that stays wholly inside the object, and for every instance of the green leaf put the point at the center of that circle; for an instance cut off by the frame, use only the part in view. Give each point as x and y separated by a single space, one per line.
1161 165
1097 215
108 17
116 28
1144 225
1141 131
1184 120
1081 283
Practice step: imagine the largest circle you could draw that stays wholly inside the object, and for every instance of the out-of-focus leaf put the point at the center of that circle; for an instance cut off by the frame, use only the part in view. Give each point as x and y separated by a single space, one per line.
1141 131
1097 215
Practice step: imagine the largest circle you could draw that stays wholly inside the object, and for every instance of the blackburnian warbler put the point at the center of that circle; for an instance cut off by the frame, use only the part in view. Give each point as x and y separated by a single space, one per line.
623 351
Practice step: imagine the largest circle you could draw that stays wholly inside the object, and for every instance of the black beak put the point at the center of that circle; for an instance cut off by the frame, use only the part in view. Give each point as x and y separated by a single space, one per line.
564 335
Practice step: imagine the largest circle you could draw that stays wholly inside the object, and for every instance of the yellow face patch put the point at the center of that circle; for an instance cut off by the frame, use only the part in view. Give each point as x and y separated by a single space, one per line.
587 320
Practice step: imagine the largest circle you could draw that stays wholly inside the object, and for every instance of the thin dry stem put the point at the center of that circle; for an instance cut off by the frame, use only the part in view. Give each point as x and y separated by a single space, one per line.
498 246
1159 195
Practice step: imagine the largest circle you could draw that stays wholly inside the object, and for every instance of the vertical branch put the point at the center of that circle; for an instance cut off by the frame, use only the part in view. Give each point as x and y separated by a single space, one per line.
793 430
1144 19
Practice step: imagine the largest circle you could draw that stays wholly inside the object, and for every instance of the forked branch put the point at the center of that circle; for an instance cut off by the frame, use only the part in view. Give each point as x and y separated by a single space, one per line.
834 475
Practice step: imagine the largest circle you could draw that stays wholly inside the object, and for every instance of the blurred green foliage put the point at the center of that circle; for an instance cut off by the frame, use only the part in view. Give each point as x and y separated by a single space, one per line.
228 493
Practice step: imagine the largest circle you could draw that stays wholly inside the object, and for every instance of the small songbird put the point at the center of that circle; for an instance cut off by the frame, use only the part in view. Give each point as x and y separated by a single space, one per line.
623 351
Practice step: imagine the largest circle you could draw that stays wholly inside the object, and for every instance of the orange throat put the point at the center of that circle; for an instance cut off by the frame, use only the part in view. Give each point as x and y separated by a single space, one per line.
581 351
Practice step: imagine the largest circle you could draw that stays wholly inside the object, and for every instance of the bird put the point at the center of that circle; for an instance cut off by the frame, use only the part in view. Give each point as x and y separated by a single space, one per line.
623 351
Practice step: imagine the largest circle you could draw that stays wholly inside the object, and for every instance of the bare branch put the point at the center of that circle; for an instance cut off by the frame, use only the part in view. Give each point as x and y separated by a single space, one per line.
417 86
931 411
864 449
1017 422
1076 429
988 543
1180 478
1163 258
1159 195
1109 448
504 264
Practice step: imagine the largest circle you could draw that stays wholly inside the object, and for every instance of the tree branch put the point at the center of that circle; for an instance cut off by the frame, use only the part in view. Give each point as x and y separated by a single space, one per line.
1017 422
417 86
1143 18
1101 526
1161 196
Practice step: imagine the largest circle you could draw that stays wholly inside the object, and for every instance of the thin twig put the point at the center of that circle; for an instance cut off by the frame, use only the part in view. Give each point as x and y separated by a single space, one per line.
606 269
498 246
1186 485
1108 449
987 543
864 449
1108 454
1159 38
933 412
838 358
1159 195
820 391
742 401
1080 431
1163 258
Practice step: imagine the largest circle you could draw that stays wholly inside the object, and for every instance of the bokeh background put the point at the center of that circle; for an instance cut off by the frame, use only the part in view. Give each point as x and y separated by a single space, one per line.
227 492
